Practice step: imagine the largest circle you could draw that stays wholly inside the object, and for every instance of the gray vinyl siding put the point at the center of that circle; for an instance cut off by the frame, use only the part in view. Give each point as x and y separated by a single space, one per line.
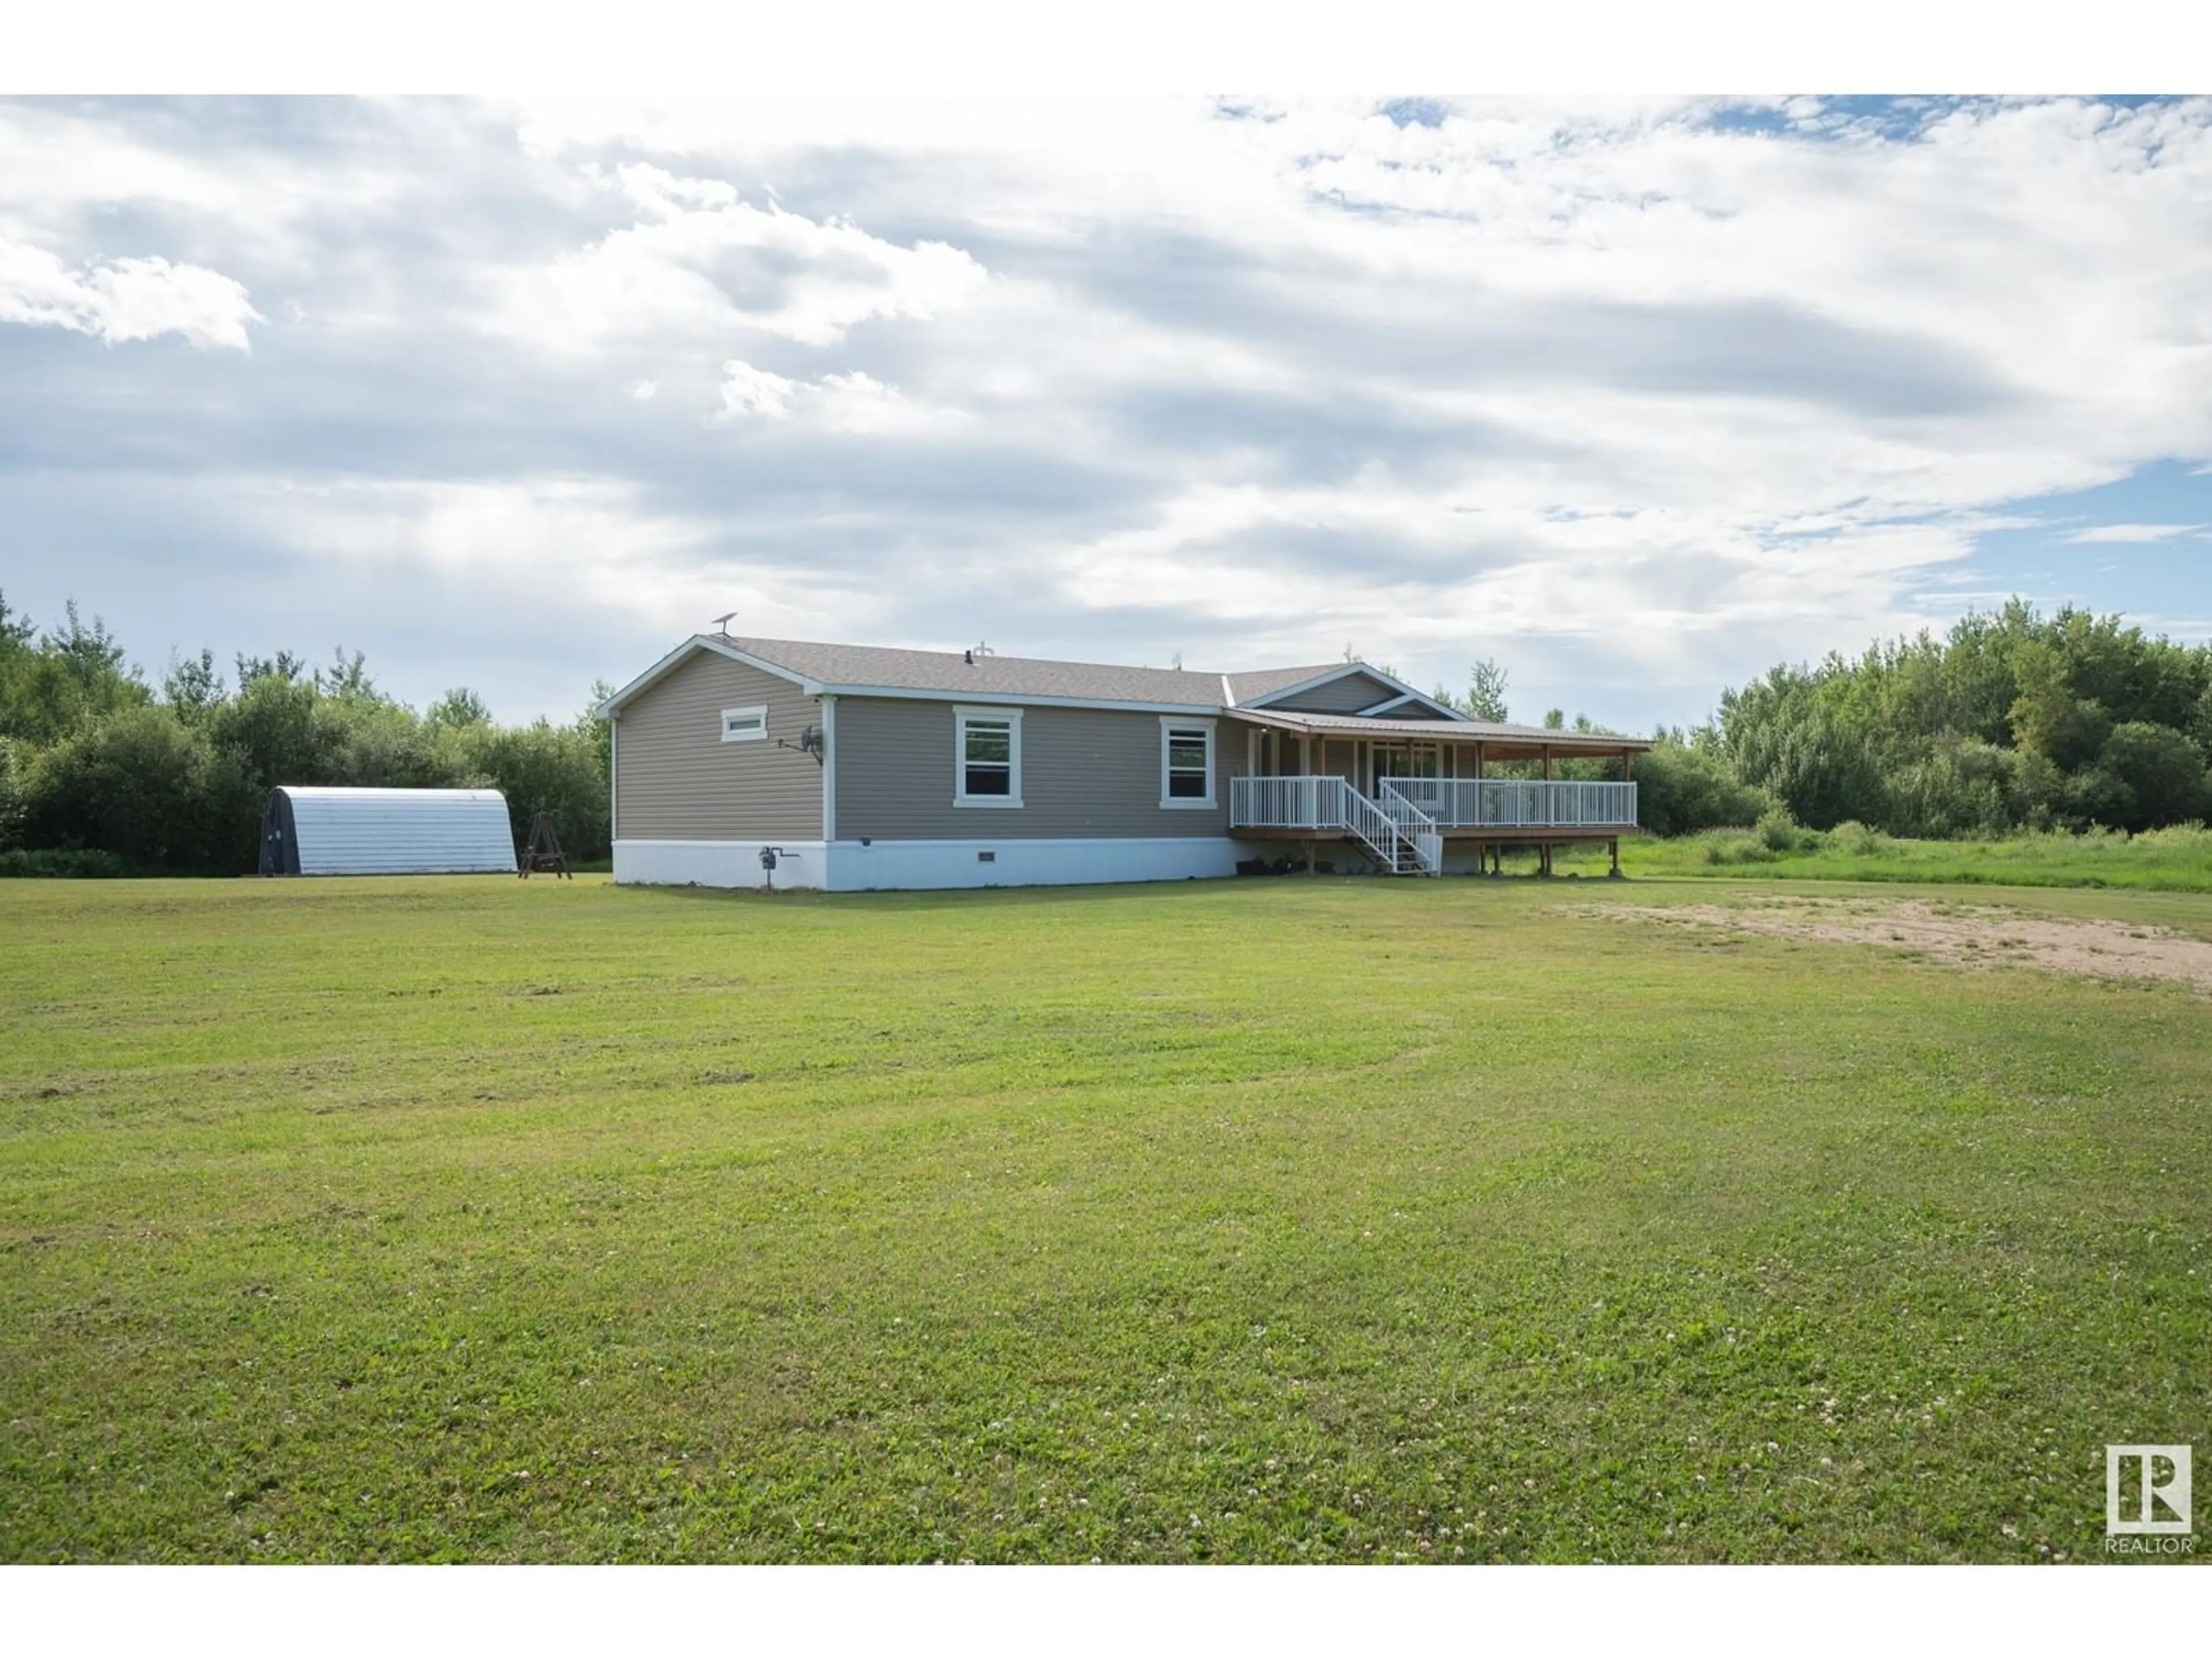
677 780
1084 772
1347 695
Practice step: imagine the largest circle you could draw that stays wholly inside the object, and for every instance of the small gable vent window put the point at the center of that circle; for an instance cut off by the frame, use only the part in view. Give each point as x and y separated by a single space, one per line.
1186 762
987 761
744 724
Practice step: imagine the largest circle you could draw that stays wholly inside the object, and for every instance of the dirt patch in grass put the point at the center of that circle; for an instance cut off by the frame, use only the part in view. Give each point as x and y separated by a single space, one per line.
1973 936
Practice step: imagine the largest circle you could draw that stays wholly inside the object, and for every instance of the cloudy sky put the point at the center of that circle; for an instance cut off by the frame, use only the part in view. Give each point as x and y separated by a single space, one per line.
1638 396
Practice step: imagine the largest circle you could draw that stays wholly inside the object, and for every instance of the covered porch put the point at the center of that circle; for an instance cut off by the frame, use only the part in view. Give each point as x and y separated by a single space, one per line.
1405 788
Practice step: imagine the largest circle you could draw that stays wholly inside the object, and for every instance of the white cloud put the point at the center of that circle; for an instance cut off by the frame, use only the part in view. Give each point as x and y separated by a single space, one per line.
2132 532
855 403
124 300
1619 387
700 262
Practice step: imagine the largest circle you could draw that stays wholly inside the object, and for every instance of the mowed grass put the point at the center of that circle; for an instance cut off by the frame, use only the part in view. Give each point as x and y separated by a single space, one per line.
1293 1220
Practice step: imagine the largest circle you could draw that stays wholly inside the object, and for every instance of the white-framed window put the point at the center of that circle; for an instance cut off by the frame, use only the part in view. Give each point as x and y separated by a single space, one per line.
1186 762
744 724
987 757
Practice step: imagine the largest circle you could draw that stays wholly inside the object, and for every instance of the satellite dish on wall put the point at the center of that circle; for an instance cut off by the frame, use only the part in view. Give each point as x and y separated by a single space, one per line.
812 741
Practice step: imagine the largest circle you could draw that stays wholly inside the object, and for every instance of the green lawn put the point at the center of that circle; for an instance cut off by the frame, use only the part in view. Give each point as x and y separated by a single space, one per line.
1288 1220
2177 859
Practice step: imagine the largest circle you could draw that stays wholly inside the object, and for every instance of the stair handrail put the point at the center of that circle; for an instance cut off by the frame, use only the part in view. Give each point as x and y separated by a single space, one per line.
1418 827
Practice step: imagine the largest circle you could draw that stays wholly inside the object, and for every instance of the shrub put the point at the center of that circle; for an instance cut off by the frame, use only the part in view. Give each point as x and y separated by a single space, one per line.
139 784
1778 830
561 769
79 861
1960 786
2161 771
1681 788
1859 840
1737 846
14 762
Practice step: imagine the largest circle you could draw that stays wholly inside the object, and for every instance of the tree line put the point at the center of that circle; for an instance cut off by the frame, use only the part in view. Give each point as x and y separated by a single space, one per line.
2011 720
101 769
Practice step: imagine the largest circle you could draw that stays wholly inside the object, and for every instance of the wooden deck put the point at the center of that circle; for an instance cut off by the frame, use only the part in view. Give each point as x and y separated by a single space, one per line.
1406 823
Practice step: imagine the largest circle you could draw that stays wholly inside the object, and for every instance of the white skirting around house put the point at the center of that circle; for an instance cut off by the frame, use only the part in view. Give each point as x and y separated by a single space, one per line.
855 867
720 863
851 867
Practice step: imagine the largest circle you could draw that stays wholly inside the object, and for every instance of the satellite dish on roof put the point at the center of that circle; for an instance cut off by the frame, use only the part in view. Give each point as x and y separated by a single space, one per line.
722 623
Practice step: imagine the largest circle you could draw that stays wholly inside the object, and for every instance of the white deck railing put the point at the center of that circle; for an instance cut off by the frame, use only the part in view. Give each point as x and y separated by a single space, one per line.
1311 803
1398 833
1520 803
1428 804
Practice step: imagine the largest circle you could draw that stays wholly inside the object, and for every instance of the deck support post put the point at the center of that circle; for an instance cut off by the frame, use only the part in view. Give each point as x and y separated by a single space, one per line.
1613 847
1310 857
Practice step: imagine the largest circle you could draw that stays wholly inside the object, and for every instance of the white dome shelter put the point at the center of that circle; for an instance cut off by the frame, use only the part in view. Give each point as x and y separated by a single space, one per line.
385 832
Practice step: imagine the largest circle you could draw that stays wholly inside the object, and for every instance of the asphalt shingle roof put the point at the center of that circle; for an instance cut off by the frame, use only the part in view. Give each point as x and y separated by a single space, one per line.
1006 676
1260 681
891 669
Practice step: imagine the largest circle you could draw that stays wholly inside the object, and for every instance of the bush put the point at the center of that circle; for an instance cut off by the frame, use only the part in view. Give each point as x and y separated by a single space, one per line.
1960 786
1682 789
2183 838
139 784
1737 847
80 861
14 761
1859 841
1779 833
561 769
2161 772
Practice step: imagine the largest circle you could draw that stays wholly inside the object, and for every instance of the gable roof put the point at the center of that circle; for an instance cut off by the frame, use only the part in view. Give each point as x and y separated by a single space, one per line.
884 671
1272 685
1263 683
872 666
819 668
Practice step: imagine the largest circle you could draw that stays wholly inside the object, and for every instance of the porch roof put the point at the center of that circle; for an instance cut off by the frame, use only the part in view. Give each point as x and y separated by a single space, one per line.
1500 738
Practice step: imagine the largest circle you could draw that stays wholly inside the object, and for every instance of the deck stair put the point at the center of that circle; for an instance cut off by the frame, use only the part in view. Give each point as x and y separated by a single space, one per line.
1401 838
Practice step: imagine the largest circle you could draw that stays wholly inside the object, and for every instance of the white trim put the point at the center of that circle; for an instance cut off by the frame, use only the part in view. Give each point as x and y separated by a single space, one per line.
614 778
676 659
747 712
1335 674
829 768
912 694
902 866
734 864
1400 701
1189 723
1011 718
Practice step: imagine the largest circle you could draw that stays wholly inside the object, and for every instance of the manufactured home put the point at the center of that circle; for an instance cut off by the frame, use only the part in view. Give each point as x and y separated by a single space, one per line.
741 762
